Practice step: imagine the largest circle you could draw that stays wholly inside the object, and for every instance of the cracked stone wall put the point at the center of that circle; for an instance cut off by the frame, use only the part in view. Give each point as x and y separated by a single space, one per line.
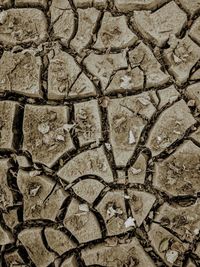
99 133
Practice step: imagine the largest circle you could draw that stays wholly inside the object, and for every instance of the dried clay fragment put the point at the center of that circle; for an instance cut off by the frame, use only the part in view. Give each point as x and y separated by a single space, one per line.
14 20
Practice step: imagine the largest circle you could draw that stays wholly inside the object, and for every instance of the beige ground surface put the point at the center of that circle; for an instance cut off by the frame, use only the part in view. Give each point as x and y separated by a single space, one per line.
99 133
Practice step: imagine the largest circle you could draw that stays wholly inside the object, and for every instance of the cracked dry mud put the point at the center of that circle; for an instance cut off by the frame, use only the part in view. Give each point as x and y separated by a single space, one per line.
99 133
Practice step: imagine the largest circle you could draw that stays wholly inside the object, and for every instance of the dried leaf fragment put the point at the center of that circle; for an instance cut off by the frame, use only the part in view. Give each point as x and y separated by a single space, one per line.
43 127
67 127
131 138
130 222
171 256
34 191
84 207
135 171
164 245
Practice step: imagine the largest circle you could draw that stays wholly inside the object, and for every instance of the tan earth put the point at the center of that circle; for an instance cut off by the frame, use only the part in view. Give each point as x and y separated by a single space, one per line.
99 133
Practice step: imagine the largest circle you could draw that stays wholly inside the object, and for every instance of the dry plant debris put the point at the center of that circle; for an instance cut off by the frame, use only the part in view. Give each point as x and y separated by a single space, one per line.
99 133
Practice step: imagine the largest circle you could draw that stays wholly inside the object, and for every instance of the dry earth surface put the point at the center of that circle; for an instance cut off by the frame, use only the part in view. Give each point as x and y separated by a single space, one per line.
99 133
